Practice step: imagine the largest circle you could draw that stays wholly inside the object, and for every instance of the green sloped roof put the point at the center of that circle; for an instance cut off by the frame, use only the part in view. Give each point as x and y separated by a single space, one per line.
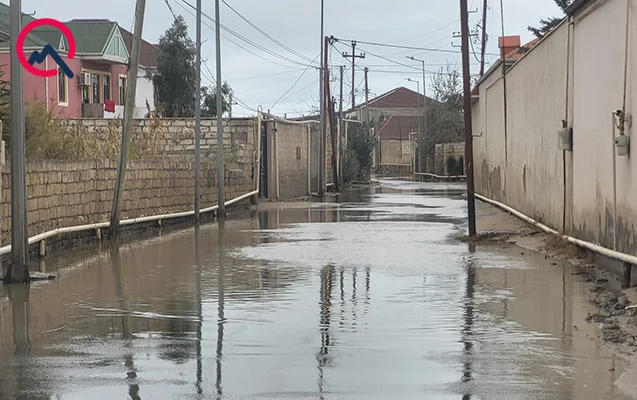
34 39
91 36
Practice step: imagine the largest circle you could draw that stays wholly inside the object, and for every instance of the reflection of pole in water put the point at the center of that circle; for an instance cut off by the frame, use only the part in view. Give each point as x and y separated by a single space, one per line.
131 370
342 289
220 318
19 297
367 283
199 309
327 274
467 333
354 299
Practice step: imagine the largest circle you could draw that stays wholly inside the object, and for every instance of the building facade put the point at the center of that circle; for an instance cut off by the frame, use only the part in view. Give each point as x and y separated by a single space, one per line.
549 134
99 65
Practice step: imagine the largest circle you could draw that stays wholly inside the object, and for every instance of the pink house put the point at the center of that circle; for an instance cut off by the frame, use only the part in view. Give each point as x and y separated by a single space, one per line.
99 66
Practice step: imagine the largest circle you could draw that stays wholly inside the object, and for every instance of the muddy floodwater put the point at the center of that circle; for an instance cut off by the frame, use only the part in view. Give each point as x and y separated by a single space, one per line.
370 298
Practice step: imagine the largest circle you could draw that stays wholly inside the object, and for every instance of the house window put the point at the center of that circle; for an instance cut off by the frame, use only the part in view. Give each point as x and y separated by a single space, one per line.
122 90
62 87
106 87
95 88
86 94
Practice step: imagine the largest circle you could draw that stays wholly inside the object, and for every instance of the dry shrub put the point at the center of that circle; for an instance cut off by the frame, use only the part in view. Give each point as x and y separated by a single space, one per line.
50 138
558 245
46 137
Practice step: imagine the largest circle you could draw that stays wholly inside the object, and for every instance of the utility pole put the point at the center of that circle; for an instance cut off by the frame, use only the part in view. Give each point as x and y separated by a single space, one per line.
18 272
198 113
424 106
484 36
321 156
341 151
131 87
328 104
231 103
353 56
468 133
366 98
221 210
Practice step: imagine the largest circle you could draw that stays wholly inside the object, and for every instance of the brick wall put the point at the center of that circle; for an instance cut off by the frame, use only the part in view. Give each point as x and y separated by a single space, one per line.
395 152
68 193
291 141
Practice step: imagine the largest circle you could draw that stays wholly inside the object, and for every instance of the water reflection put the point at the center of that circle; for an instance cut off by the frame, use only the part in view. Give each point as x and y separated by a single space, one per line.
198 301
325 316
439 322
221 320
467 333
127 337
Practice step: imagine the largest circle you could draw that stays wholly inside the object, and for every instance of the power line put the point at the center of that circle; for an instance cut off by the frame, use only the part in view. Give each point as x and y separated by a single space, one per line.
295 83
246 40
425 49
429 33
235 43
266 34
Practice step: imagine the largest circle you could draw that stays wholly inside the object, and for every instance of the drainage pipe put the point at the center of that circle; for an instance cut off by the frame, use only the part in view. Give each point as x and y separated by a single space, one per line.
615 255
100 225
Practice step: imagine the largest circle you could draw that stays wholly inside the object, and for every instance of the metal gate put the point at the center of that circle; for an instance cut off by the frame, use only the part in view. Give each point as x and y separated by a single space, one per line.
263 163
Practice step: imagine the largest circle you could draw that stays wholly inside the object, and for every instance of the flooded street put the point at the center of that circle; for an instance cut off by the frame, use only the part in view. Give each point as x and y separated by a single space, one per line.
373 298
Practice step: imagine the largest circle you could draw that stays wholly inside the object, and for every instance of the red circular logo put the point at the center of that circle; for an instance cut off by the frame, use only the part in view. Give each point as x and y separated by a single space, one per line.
23 35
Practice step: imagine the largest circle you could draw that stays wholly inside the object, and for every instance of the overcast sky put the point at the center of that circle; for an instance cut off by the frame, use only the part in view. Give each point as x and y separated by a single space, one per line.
296 24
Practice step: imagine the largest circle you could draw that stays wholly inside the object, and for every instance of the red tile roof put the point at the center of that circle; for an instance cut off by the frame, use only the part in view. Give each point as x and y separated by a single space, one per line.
401 97
399 127
149 52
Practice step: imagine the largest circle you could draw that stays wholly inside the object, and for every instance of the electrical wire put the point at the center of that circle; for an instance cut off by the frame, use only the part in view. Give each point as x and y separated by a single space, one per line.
266 34
295 83
425 49
429 33
232 41
244 39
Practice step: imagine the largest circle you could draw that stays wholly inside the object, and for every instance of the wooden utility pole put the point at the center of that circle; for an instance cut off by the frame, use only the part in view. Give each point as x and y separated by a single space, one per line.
366 97
468 132
221 210
129 108
18 272
353 56
484 36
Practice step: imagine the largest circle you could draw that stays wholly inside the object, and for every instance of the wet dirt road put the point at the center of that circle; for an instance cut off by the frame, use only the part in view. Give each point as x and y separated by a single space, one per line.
373 298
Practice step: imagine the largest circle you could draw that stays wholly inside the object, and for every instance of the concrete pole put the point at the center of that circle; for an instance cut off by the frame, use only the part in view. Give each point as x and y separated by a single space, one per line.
221 211
354 76
18 272
129 108
341 151
198 114
321 155
484 36
468 133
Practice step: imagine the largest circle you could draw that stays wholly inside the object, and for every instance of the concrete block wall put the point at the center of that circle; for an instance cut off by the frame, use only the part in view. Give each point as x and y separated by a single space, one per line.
292 150
395 152
443 152
69 193
170 137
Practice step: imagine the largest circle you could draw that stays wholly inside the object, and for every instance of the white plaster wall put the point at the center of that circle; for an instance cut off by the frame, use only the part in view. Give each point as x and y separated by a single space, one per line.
144 91
537 104
599 54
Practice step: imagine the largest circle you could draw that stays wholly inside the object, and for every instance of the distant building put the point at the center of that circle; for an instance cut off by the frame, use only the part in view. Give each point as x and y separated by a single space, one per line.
100 67
399 101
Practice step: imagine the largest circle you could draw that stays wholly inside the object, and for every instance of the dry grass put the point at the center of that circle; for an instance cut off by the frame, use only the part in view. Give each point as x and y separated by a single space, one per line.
48 138
558 245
